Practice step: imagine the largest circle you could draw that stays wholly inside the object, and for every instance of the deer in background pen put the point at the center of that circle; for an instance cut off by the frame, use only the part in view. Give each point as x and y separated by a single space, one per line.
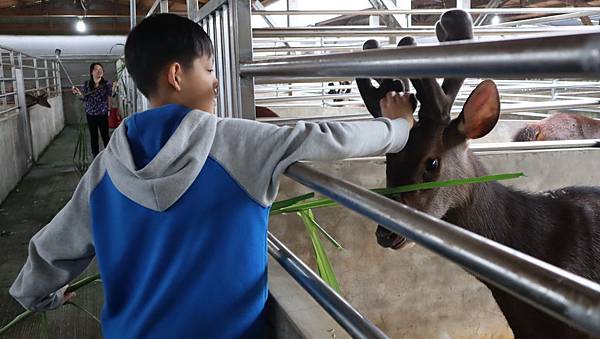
561 227
560 126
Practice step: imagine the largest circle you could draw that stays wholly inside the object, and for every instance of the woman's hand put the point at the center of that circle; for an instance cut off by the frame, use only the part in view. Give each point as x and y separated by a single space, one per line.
76 91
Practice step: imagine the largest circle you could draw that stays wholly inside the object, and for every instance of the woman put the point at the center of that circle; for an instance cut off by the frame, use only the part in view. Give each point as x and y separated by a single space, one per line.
95 93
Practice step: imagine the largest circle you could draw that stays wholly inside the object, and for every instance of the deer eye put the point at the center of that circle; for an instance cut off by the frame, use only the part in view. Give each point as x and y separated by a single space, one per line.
432 165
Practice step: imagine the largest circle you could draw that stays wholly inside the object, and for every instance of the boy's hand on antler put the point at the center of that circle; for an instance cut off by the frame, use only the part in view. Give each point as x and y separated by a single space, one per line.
398 106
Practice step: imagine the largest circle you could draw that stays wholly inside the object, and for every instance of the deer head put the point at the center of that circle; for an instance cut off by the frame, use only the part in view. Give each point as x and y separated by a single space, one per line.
437 146
40 99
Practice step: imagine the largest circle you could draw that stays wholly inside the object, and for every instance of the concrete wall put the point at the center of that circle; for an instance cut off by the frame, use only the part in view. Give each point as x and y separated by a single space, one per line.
13 153
73 107
46 123
413 293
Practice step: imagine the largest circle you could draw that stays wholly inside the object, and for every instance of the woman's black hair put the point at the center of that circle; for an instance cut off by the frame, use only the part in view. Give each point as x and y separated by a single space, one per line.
159 40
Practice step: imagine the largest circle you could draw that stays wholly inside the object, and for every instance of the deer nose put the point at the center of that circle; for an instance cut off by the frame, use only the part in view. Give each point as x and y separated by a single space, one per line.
389 239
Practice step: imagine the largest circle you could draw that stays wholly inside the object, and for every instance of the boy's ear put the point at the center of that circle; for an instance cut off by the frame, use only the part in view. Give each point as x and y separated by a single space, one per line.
481 111
174 71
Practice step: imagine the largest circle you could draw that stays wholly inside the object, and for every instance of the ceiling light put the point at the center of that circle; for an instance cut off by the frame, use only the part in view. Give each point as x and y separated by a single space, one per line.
80 25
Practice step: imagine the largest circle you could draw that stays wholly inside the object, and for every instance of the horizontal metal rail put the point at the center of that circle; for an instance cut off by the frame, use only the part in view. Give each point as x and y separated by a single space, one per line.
533 145
293 32
545 19
299 98
7 94
551 56
38 78
55 86
431 11
9 109
33 67
347 316
564 295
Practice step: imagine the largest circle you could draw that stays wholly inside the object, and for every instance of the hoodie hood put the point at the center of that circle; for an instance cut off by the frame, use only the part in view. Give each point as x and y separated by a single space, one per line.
154 156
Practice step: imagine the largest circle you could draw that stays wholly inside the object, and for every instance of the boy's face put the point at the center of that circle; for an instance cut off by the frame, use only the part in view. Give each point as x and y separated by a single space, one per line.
200 89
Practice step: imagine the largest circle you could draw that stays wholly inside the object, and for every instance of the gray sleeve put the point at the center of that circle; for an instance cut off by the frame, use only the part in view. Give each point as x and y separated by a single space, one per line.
256 154
59 252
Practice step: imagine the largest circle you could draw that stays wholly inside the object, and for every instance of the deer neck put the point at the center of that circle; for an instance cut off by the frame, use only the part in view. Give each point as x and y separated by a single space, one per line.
490 210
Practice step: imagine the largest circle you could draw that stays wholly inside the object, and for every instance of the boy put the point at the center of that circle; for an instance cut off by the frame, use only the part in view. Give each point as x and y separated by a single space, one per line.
176 208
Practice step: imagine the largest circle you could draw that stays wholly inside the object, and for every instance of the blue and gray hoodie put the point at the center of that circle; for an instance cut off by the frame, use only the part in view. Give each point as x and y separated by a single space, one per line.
175 210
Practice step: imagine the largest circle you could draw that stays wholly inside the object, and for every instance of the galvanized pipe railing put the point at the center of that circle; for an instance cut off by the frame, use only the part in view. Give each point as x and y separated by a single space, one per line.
295 32
551 57
431 11
357 325
561 294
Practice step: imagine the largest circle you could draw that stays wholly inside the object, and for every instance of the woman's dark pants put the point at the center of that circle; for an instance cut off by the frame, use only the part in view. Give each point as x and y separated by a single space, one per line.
95 123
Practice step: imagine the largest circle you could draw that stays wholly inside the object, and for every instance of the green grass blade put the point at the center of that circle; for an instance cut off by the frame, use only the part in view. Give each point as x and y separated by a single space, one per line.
289 202
81 308
323 264
44 329
17 320
323 231
320 203
83 282
448 183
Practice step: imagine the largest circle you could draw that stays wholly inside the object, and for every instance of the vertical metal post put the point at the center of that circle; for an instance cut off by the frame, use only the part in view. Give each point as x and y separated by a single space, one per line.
47 75
57 79
192 9
132 14
17 74
463 4
36 73
132 24
219 65
227 65
2 82
164 6
241 35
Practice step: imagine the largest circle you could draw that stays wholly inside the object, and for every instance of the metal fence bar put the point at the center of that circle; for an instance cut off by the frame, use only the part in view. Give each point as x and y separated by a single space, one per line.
553 56
228 65
564 295
357 325
240 19
218 24
534 145
431 11
294 32
14 108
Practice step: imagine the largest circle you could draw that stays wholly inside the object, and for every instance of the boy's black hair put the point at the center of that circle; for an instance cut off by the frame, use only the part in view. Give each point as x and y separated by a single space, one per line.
159 40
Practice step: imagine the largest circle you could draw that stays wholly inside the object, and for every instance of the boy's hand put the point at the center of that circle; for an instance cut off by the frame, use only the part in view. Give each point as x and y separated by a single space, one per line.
67 295
397 106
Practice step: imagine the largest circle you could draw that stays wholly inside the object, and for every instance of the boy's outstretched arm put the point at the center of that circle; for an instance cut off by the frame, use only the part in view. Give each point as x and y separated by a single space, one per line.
58 253
263 151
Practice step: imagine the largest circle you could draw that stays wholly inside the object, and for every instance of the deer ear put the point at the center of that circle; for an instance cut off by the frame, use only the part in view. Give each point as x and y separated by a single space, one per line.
481 111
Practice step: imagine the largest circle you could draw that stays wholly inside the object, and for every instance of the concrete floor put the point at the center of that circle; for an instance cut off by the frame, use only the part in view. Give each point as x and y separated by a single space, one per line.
37 198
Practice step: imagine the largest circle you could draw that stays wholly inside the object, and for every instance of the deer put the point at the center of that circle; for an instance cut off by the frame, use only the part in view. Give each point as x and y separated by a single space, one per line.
560 126
560 227
37 99
265 112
